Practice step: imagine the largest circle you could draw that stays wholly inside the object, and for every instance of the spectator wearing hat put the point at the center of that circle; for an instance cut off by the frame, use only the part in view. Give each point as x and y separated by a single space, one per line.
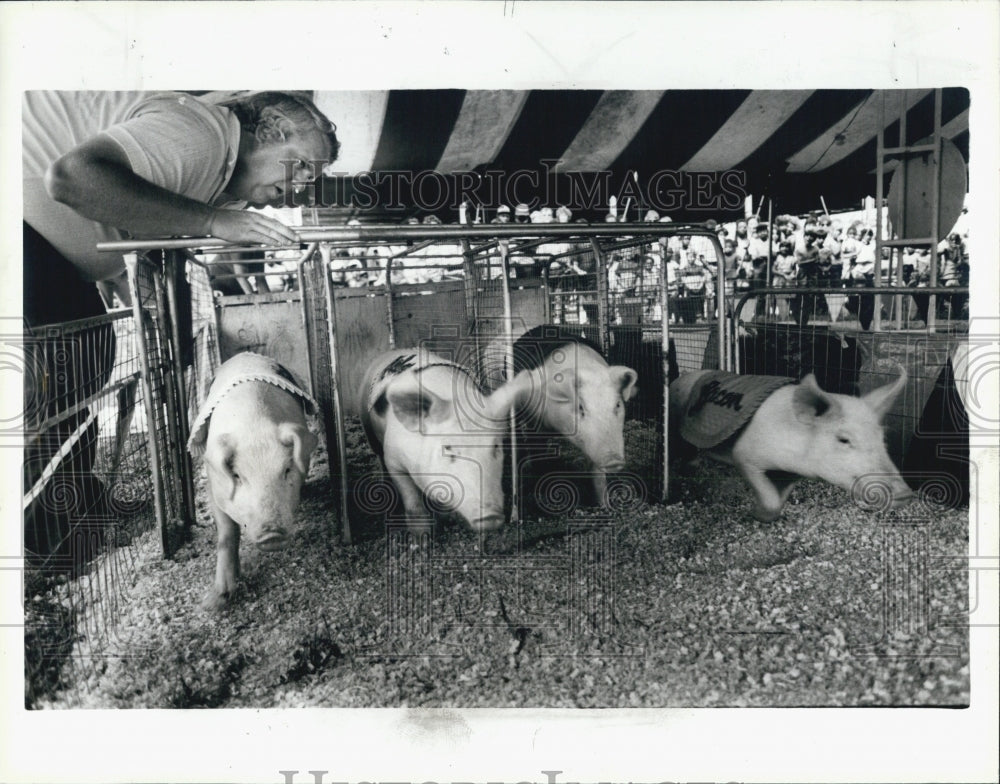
522 214
503 214
787 226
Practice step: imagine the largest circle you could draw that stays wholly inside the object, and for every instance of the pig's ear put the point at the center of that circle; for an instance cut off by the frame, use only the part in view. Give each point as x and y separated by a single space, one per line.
302 443
513 394
625 377
561 387
810 402
880 400
410 404
219 455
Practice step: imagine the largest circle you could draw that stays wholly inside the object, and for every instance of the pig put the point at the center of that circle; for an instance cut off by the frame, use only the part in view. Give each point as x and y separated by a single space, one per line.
798 430
257 446
575 394
438 436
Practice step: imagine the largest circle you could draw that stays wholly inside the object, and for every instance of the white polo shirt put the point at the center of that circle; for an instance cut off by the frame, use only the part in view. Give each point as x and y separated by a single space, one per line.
173 140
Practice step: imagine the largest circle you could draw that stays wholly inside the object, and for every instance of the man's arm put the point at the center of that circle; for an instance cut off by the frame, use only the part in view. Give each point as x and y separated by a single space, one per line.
96 181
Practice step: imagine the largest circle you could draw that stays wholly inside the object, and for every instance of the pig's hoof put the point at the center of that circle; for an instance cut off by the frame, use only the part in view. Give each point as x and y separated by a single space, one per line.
766 515
214 601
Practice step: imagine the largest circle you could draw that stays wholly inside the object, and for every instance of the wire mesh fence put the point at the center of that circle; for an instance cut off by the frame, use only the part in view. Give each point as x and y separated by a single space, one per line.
88 491
105 431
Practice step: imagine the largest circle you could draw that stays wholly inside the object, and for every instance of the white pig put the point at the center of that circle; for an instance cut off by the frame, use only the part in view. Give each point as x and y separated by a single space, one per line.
798 430
256 445
577 395
438 436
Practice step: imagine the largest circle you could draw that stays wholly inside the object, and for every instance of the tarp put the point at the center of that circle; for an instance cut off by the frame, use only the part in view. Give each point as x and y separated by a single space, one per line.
793 145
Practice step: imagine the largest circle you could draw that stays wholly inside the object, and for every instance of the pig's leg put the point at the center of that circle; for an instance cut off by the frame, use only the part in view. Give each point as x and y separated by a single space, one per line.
783 483
769 500
418 520
227 565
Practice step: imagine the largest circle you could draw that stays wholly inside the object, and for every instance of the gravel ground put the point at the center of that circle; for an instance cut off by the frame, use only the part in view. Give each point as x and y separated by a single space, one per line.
691 603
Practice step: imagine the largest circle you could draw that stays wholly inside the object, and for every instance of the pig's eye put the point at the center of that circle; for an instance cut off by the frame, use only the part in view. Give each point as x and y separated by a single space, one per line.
288 472
844 440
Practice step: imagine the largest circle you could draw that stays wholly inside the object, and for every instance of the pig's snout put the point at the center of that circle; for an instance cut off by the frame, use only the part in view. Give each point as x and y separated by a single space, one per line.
882 493
272 538
490 522
613 463
901 497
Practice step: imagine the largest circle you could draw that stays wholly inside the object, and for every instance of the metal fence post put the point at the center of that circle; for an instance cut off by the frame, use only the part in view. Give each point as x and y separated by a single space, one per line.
320 316
165 373
508 360
338 409
602 296
665 342
173 264
152 410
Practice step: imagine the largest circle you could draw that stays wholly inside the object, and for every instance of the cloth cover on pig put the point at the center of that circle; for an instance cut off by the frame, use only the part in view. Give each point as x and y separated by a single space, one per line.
721 403
417 361
237 370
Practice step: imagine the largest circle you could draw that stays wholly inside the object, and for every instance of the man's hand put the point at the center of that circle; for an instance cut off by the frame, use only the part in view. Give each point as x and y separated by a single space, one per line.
243 226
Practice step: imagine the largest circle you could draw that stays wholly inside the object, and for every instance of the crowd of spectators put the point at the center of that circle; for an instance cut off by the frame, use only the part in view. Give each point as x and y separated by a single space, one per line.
816 251
819 251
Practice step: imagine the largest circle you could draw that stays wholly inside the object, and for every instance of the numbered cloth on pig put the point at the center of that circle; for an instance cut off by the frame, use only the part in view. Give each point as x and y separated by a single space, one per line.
775 431
256 444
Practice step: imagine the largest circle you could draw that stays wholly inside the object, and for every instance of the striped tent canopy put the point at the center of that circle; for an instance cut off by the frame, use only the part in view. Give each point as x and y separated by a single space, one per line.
691 154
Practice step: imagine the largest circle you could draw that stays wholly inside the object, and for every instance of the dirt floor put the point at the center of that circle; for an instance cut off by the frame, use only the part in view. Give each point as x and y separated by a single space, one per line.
690 603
